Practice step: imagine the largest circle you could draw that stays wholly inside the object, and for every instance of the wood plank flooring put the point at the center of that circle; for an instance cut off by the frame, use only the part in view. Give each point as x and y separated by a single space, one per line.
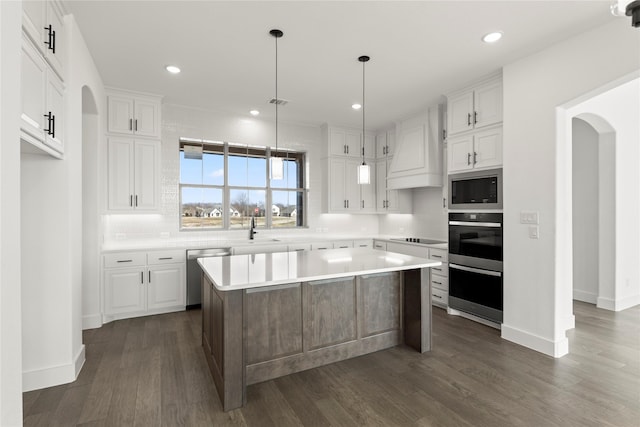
151 372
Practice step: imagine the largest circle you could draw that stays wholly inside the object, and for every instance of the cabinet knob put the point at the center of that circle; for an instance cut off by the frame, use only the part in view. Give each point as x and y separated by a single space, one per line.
468 159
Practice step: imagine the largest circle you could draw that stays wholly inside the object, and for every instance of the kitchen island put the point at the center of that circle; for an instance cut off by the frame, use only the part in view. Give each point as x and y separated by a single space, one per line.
270 315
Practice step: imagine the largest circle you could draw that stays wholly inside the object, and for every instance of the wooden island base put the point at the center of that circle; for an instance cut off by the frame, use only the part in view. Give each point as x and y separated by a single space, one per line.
258 334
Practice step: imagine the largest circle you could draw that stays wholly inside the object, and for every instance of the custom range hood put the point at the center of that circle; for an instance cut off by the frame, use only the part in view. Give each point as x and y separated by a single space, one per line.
417 159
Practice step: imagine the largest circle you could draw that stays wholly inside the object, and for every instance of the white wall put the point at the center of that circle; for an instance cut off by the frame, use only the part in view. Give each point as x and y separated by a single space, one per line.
619 108
51 207
585 212
10 297
535 300
180 121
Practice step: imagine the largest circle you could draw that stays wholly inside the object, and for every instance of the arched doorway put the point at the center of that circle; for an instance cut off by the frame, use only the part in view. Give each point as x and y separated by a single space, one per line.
593 205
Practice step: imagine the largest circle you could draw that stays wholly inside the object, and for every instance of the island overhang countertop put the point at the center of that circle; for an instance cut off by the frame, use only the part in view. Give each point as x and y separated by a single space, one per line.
239 272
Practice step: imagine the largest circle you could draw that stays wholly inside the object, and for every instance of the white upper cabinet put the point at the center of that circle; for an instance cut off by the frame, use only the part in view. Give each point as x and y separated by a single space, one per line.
480 150
42 97
348 142
385 143
133 174
43 22
475 107
390 201
134 115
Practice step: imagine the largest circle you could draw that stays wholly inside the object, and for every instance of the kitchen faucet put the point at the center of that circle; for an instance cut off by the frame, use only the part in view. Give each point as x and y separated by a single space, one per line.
252 226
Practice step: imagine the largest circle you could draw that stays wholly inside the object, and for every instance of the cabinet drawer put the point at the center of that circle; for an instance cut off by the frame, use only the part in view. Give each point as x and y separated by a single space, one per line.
439 254
166 257
440 282
343 244
299 247
125 259
362 243
439 297
441 270
321 246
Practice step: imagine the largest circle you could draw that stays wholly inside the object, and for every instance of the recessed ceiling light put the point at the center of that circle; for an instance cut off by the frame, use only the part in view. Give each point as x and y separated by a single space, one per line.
356 106
172 69
492 37
254 112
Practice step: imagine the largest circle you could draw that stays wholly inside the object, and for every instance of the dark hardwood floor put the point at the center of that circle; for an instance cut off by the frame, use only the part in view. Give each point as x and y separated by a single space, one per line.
151 372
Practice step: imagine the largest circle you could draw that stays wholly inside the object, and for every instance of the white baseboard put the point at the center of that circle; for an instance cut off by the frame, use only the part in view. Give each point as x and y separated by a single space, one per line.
619 304
92 321
585 296
55 375
536 342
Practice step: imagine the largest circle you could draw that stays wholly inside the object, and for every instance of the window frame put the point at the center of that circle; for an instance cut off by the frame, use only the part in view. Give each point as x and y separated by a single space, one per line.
261 152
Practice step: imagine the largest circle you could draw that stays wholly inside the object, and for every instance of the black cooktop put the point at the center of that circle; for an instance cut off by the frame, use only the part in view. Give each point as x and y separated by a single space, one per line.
420 240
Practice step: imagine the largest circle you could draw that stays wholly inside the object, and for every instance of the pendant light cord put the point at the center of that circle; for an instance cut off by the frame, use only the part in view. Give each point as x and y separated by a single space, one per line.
363 112
277 100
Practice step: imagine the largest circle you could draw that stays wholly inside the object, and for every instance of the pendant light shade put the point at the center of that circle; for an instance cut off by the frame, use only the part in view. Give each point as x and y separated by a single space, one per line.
276 165
364 171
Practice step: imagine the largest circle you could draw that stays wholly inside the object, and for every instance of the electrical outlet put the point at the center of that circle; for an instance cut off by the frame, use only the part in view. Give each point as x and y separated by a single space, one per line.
529 217
534 232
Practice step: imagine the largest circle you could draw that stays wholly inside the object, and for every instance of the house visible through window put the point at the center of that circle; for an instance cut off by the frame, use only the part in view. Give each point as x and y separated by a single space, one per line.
223 185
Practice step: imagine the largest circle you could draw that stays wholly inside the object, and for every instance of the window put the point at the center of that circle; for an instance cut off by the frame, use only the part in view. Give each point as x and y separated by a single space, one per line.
223 185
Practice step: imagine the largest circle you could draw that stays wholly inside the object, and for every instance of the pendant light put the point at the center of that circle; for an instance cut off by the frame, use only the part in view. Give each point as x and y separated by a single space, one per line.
364 171
276 165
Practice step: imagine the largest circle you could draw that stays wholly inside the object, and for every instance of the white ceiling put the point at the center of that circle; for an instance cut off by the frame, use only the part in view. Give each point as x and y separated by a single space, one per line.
419 50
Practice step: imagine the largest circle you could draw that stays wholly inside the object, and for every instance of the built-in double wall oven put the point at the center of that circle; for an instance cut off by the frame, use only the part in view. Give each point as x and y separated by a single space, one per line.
475 264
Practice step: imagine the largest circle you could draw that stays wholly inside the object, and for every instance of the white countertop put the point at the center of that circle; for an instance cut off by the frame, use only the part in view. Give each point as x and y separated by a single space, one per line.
259 270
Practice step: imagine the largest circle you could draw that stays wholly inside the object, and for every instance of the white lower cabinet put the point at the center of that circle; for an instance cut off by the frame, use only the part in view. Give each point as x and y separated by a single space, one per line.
143 283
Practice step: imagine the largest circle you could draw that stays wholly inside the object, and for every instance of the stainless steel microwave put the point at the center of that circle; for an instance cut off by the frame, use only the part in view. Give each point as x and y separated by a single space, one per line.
476 190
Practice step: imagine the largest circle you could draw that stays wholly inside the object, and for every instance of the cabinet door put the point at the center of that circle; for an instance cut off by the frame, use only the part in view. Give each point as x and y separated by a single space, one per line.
460 114
351 186
146 175
125 291
381 185
120 167
147 118
488 104
337 144
55 104
391 142
337 177
368 191
352 141
460 153
369 146
488 149
381 145
166 287
33 88
55 54
120 114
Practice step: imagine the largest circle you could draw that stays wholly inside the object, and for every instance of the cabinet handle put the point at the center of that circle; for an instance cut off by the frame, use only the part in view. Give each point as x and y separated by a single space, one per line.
363 151
142 277
468 159
437 283
51 38
347 204
165 258
125 260
48 129
436 296
347 149
444 202
131 200
384 150
135 122
130 124
469 119
387 147
444 134
475 117
475 155
362 202
136 200
53 126
150 277
436 256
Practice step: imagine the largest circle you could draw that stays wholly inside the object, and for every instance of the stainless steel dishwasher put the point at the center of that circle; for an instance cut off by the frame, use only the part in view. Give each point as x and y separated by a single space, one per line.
194 291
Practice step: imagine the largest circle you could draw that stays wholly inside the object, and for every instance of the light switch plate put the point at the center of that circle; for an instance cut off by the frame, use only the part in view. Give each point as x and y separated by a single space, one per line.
534 232
529 217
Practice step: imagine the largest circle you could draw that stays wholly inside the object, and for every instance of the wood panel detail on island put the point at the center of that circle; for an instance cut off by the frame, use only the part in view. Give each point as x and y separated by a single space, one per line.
267 328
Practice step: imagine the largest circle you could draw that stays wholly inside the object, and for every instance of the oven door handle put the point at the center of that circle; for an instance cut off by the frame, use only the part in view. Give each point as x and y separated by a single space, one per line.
476 270
476 224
